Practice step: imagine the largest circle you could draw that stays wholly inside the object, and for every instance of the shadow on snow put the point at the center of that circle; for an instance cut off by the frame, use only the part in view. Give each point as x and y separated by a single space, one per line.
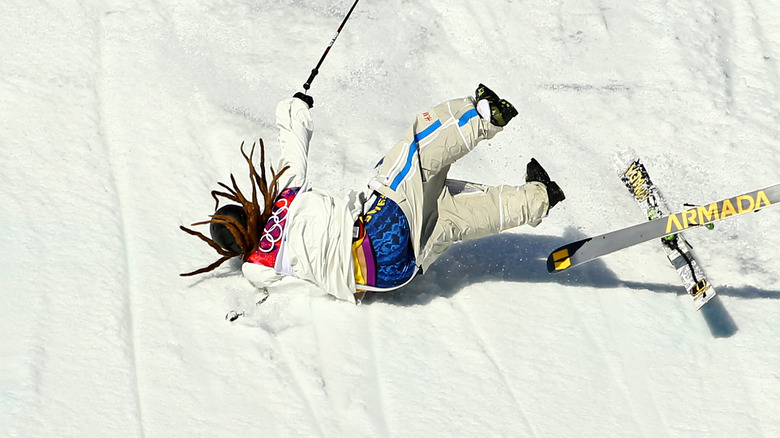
522 258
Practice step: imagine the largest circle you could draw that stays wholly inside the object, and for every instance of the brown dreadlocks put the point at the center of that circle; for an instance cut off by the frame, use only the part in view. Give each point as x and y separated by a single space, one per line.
246 236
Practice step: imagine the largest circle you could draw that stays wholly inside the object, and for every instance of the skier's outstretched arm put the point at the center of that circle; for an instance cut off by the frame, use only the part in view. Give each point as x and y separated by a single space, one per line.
294 121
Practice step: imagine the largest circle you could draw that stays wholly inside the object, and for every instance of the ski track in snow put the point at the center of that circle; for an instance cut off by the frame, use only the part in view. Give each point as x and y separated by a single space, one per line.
592 339
301 388
492 357
125 252
377 411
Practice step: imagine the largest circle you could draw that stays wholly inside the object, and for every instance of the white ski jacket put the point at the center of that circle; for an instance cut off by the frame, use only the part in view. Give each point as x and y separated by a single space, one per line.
317 239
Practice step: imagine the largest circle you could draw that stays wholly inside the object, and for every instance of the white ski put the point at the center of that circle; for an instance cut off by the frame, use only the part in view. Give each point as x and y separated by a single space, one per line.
636 179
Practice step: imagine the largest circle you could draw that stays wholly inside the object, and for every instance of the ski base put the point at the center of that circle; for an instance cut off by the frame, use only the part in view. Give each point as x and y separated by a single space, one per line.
677 249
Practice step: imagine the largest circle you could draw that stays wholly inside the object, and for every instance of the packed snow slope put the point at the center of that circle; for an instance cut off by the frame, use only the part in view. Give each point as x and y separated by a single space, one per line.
118 119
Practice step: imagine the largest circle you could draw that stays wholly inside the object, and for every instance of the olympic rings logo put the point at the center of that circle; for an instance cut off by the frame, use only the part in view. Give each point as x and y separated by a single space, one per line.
274 228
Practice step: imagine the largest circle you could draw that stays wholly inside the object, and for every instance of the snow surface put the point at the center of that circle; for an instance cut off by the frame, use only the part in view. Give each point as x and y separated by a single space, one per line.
119 117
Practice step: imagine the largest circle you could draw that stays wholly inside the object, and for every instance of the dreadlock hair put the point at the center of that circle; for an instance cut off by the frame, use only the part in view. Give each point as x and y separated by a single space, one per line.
247 236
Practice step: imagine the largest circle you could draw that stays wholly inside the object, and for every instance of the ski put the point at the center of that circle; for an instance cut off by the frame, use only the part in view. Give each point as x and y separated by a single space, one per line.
591 248
635 177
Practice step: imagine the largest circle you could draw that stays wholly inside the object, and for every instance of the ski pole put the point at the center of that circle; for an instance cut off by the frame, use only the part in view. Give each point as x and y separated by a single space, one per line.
314 72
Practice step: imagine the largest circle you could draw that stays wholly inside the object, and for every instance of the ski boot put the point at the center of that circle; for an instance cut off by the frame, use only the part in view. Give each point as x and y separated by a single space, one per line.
534 172
501 111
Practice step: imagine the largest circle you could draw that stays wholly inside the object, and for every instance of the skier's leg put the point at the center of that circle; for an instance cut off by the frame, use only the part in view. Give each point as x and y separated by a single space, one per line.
470 211
465 123
458 128
442 135
432 189
414 171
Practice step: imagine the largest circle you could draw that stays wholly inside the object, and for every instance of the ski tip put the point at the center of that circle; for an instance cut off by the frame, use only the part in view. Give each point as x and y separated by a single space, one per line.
559 260
568 256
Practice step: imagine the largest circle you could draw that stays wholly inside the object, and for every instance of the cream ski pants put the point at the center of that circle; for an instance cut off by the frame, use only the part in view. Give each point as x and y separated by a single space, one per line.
443 211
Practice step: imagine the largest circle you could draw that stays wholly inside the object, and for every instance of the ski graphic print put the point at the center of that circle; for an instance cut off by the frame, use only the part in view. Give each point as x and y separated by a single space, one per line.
591 248
635 177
